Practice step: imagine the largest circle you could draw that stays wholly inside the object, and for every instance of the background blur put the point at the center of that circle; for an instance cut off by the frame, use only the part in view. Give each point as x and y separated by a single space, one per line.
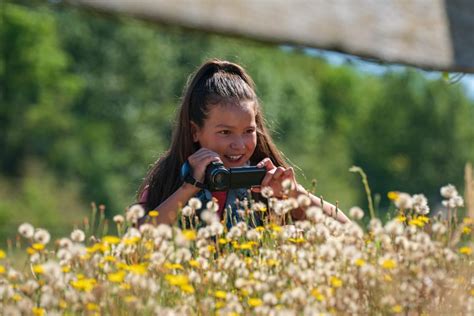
87 103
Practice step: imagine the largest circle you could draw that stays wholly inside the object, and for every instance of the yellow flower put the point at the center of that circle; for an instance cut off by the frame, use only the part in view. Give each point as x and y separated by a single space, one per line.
223 241
37 246
260 229
125 286
317 295
211 248
472 292
110 258
276 228
189 234
97 247
336 282
176 279
153 213
173 266
392 195
468 221
2 254
272 262
30 251
194 263
112 240
137 268
254 302
220 294
389 264
424 219
17 297
416 222
220 304
116 277
131 241
296 240
247 245
38 269
130 299
2 269
401 218
187 288
397 309
66 269
85 285
62 304
465 250
360 262
466 230
248 261
244 292
38 311
92 307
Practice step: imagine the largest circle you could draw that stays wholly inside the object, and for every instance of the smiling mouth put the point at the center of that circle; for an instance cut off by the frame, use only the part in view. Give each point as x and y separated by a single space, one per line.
233 158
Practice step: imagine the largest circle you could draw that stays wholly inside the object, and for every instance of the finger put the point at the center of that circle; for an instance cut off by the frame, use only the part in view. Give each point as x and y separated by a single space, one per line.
268 177
267 163
256 188
278 173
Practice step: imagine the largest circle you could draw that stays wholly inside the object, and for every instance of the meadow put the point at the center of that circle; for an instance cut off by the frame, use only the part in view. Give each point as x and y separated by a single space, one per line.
416 263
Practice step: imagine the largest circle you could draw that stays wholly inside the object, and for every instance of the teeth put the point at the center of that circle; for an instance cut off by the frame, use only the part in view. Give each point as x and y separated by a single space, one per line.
235 157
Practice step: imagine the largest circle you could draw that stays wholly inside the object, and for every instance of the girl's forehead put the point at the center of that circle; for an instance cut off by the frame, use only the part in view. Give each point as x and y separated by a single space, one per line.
243 112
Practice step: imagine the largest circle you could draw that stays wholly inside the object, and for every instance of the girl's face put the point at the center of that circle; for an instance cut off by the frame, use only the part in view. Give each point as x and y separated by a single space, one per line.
230 131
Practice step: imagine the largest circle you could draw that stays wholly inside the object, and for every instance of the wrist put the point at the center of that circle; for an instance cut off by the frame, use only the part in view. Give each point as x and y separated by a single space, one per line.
188 187
297 191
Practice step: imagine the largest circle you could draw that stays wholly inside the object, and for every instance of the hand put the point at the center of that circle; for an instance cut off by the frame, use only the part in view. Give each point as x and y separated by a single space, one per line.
275 176
199 161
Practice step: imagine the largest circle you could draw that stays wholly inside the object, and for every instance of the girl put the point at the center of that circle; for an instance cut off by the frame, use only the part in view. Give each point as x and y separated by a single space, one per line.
220 120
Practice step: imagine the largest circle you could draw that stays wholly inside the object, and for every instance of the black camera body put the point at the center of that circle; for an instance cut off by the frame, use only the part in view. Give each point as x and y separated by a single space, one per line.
219 178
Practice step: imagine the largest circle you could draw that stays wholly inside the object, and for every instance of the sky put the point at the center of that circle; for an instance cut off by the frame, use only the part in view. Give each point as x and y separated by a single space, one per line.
467 80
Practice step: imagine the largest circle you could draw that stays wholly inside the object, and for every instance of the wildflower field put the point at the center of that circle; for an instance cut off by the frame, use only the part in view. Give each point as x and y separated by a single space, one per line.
414 264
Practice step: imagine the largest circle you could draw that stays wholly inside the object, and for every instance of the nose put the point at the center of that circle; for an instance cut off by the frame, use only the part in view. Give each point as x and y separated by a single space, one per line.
237 143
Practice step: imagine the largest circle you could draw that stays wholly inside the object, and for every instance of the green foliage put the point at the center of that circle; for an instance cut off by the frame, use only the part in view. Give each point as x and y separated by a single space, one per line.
93 97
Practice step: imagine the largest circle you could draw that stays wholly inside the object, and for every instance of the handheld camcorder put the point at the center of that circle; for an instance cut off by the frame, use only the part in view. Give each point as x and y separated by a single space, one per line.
219 178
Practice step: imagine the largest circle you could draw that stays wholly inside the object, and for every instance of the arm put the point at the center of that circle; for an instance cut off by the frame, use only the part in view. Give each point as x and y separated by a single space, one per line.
275 176
328 208
168 210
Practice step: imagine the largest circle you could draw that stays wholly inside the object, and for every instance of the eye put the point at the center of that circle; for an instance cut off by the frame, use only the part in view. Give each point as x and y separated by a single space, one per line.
224 132
250 130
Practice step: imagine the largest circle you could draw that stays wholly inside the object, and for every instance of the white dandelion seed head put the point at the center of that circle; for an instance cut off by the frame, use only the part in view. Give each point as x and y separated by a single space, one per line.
303 200
187 211
42 236
195 203
78 235
449 191
267 192
212 206
118 219
314 214
26 230
404 201
439 228
287 185
134 213
394 227
356 213
209 217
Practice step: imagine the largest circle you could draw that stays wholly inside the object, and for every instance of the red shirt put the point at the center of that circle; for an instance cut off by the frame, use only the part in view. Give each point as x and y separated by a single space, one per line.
221 197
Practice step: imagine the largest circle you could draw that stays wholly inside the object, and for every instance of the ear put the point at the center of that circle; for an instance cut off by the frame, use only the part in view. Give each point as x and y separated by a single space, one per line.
194 131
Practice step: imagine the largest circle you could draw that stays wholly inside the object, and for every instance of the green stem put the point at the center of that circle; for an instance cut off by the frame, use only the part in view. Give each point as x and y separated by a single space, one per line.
367 188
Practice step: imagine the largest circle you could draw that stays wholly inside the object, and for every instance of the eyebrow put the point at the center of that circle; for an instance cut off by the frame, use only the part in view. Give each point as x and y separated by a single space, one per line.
230 127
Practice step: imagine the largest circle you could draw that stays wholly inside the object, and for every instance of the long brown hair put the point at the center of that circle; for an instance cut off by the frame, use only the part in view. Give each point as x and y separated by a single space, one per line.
215 82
